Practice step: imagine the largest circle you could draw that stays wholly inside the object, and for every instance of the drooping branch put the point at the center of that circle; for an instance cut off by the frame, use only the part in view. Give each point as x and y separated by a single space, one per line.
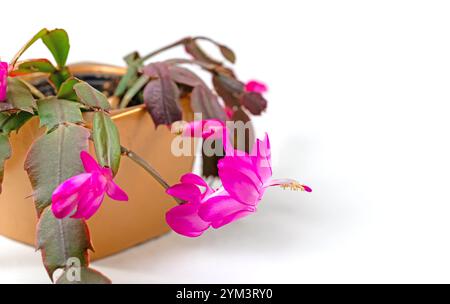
163 49
148 168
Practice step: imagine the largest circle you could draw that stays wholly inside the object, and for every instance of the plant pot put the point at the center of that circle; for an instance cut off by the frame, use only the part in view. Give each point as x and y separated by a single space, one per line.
117 225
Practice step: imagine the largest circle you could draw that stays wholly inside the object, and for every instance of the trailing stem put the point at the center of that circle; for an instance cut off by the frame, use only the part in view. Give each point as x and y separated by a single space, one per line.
148 168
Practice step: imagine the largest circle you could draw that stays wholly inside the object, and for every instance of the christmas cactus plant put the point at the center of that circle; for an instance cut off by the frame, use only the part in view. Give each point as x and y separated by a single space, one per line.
69 184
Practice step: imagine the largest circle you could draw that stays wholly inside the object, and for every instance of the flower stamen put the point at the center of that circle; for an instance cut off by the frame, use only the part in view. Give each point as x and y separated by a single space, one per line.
295 186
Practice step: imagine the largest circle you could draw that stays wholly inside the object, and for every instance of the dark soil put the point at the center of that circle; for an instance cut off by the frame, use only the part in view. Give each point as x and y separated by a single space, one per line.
102 82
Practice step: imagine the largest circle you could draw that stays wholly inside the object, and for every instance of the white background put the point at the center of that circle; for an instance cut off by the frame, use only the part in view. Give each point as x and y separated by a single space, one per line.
359 109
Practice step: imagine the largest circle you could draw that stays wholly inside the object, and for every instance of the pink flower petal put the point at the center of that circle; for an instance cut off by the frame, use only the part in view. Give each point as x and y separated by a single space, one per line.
256 87
64 208
86 191
194 179
262 159
217 208
244 165
91 196
66 196
229 148
186 192
3 80
89 163
211 128
115 192
70 186
107 173
88 203
230 218
191 178
239 186
193 129
264 148
89 206
184 220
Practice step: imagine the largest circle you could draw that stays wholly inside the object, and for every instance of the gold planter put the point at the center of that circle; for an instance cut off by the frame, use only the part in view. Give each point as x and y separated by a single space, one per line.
117 225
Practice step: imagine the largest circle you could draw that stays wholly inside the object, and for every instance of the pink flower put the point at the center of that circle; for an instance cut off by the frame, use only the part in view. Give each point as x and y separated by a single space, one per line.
209 129
187 219
244 180
256 87
247 176
206 129
3 80
85 192
184 219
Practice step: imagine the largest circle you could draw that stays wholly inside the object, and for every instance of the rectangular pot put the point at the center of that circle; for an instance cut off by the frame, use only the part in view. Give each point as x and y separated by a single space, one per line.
117 225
